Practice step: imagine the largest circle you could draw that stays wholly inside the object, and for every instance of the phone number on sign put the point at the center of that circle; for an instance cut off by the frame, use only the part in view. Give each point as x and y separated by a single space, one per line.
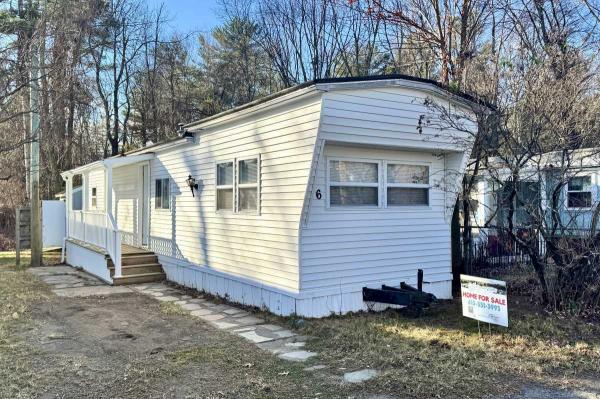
483 305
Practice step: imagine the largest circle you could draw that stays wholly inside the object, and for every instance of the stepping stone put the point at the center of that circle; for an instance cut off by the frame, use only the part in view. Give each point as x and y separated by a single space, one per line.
180 303
242 313
254 337
201 312
185 297
191 306
249 321
156 294
223 325
284 334
296 344
271 327
232 311
359 376
297 356
249 328
315 368
166 298
212 317
197 300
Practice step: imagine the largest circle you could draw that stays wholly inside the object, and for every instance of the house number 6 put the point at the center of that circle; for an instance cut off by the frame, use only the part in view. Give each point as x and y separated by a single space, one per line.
319 195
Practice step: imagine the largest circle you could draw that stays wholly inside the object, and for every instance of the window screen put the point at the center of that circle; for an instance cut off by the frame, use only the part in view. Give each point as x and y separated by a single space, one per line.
247 185
407 185
579 194
162 194
225 186
353 183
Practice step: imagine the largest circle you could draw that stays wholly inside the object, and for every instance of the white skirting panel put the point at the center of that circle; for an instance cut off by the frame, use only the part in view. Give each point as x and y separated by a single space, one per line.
305 304
90 261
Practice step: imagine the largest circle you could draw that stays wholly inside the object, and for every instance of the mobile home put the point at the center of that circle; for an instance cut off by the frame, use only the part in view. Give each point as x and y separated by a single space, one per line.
292 203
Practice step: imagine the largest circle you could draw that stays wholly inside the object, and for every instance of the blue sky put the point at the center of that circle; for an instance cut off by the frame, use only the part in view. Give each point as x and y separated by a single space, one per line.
190 15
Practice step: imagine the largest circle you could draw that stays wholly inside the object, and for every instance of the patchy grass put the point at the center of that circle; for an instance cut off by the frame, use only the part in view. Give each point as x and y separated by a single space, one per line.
18 289
171 309
443 355
7 259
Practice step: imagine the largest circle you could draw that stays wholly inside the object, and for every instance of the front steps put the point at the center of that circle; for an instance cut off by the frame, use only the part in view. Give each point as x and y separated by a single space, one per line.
137 266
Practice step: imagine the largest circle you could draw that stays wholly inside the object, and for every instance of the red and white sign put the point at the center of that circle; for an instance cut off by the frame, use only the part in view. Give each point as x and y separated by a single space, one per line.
484 299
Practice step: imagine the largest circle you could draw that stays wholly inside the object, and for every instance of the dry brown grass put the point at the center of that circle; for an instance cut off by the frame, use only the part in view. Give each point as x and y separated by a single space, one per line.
443 355
18 289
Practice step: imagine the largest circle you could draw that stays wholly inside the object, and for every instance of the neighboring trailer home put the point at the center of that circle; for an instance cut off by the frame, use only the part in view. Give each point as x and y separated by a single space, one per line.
576 179
302 199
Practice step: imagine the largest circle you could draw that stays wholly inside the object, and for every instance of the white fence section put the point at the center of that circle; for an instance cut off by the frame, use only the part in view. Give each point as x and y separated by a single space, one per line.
53 223
99 229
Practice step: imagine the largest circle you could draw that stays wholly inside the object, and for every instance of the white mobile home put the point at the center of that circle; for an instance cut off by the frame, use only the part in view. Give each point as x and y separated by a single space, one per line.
302 199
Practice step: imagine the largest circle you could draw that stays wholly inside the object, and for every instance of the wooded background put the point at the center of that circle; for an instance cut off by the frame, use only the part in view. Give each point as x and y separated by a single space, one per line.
116 76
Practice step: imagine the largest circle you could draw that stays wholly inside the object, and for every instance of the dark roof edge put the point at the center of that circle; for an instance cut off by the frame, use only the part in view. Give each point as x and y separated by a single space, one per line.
466 96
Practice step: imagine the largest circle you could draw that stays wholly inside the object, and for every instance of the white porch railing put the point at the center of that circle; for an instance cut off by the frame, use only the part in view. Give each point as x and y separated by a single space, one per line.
99 229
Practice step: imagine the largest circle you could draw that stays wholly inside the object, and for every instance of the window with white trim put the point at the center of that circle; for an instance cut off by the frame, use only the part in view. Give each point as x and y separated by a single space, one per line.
162 192
247 185
94 198
225 186
407 185
579 192
353 183
357 183
238 185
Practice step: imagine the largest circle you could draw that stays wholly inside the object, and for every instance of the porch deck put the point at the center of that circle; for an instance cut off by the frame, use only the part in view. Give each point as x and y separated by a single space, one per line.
131 250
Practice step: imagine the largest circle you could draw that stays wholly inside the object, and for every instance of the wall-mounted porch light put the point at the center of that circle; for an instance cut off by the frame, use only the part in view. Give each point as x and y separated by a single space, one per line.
191 182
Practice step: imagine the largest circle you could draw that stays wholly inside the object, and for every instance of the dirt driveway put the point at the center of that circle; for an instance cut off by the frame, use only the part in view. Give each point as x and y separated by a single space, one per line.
127 346
124 344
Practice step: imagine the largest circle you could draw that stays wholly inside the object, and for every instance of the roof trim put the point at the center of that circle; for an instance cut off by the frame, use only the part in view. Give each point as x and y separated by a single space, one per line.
436 87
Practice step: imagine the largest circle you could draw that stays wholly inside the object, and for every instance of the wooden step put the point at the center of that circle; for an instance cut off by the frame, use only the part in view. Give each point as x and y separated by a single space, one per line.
143 268
139 278
136 259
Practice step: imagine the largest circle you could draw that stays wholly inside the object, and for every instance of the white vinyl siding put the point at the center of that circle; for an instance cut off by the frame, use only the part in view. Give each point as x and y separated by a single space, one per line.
347 247
386 117
95 180
262 248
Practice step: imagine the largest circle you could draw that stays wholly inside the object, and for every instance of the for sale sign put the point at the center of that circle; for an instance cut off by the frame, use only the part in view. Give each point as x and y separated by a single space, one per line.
484 299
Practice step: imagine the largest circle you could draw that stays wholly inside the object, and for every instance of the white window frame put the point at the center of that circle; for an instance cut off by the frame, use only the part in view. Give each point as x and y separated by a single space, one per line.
331 183
238 185
162 181
406 185
225 186
567 192
381 185
94 198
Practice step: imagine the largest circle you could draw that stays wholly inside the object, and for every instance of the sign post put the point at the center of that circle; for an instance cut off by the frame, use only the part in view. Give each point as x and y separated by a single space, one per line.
484 300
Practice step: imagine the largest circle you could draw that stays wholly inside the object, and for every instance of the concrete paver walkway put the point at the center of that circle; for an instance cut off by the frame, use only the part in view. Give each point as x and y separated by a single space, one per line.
276 339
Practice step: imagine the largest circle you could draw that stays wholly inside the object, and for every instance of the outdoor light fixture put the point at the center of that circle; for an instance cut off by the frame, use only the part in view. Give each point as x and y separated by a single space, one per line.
192 184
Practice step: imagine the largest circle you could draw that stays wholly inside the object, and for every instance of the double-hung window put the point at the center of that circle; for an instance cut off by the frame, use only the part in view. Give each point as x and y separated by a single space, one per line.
353 183
162 191
238 185
407 185
225 186
377 184
579 192
247 185
94 198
